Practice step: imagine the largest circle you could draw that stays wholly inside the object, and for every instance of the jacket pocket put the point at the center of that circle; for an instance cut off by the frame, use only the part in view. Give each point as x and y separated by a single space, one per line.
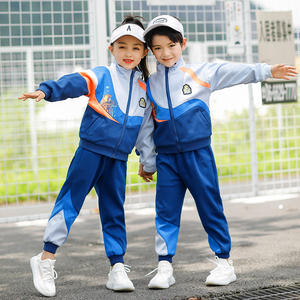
101 131
193 125
164 134
129 138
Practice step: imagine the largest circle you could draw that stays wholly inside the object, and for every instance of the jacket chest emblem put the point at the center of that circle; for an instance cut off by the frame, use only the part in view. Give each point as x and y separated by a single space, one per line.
142 103
186 89
108 103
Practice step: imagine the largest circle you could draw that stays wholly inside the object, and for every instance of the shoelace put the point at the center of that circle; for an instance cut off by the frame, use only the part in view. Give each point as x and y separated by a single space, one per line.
218 267
127 268
123 271
49 274
151 272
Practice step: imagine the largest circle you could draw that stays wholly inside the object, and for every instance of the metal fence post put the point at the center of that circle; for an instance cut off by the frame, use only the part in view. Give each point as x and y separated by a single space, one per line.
252 127
31 105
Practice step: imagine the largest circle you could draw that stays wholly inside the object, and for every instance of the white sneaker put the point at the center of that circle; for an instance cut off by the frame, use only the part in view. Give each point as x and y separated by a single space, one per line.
222 274
164 277
118 279
43 275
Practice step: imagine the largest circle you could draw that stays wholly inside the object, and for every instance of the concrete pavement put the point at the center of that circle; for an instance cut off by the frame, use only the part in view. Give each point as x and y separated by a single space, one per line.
265 251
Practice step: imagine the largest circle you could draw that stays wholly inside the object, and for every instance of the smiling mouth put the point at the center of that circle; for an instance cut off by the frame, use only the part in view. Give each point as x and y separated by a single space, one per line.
128 61
167 59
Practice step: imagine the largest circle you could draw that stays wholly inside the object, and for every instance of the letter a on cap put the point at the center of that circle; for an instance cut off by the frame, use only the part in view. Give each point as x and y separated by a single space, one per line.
128 28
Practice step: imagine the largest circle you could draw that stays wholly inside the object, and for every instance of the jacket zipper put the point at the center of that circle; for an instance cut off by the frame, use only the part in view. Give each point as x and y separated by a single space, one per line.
171 107
127 112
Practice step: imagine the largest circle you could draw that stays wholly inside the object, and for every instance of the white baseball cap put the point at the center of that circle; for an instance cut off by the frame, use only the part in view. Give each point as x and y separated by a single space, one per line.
165 20
127 29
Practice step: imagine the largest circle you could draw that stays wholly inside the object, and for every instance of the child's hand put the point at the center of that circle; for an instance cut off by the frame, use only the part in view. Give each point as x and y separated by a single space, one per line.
145 175
281 71
38 95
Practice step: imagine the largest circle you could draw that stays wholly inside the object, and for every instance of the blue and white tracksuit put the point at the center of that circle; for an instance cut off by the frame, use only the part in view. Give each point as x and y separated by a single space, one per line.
180 99
117 118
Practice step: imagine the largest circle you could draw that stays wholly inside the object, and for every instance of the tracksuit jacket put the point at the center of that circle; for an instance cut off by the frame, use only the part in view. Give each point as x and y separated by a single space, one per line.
180 99
117 109
117 118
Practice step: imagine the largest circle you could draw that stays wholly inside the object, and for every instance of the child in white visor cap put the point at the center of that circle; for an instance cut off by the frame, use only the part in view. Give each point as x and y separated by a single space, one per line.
117 118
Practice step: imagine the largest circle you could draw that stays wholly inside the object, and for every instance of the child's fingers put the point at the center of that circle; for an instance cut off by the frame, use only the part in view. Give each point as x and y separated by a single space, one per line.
36 95
39 98
28 95
145 179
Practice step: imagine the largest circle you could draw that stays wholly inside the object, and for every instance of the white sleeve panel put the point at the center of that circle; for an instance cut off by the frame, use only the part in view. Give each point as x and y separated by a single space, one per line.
144 143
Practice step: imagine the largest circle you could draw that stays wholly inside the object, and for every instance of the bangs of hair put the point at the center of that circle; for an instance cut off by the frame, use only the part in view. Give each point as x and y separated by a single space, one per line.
172 34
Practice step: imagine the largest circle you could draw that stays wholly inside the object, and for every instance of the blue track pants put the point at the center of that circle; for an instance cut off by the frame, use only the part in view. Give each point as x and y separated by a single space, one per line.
108 176
195 170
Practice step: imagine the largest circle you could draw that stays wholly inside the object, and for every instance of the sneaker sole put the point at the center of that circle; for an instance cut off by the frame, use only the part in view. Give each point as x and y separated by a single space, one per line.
162 286
226 282
111 286
34 270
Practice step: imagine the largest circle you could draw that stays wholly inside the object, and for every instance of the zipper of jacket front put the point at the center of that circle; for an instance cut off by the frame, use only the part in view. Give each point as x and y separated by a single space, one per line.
127 112
171 107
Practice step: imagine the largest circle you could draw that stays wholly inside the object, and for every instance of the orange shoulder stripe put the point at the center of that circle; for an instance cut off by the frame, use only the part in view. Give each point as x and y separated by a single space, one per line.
194 77
142 85
93 103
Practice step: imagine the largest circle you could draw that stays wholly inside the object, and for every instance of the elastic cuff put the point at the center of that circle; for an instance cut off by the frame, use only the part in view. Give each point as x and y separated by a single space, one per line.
116 259
223 255
50 247
165 257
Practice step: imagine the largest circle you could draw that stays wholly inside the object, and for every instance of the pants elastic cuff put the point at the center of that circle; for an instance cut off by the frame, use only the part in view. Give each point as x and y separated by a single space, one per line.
50 247
116 259
165 257
223 255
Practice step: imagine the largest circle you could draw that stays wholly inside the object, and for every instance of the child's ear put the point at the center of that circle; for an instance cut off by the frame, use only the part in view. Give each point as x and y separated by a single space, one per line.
111 49
145 52
183 44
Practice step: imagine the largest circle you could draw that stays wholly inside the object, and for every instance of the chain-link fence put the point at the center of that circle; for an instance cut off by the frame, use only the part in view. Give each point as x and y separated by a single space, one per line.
256 147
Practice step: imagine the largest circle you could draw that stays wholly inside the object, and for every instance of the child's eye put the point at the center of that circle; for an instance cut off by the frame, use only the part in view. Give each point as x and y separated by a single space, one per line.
156 48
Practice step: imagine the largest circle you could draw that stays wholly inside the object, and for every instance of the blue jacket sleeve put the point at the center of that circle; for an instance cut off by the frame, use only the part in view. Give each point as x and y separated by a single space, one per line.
68 86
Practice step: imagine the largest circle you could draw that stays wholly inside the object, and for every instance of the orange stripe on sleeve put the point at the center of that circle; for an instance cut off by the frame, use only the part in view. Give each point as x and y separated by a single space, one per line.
93 103
194 77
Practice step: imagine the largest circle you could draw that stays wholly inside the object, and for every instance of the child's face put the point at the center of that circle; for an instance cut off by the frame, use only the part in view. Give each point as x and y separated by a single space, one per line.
128 51
165 51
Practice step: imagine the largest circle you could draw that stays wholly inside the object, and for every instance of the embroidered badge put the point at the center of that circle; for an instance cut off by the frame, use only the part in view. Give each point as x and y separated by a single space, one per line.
142 103
186 89
108 104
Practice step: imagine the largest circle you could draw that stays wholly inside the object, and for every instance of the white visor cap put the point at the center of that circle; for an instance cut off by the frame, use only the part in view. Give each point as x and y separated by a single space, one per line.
165 20
127 29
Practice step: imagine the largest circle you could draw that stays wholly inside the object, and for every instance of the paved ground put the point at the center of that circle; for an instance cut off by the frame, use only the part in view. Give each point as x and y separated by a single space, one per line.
265 250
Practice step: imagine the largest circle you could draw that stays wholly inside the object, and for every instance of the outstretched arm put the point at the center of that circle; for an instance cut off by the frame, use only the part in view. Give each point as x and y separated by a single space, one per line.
281 71
38 95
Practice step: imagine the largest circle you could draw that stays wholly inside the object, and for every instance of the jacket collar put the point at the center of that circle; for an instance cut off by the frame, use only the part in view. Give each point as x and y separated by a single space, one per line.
161 68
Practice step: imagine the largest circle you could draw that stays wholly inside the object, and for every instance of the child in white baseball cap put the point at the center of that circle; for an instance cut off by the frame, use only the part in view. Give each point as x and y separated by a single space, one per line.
179 94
